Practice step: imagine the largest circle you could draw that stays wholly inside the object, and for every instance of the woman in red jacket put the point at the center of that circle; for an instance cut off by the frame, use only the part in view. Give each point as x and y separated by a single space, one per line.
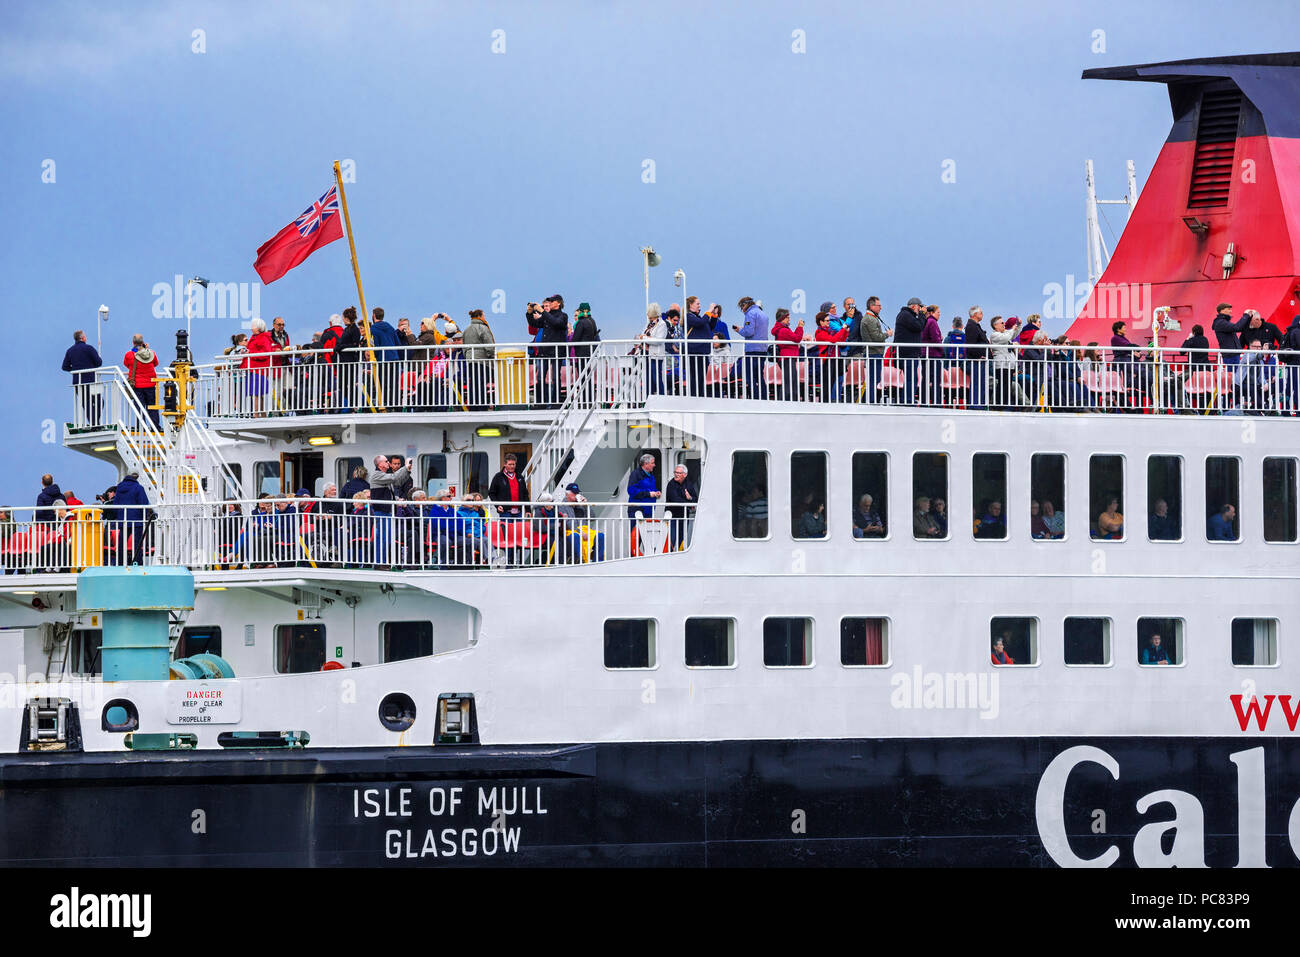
141 365
1000 656
825 369
787 351
258 364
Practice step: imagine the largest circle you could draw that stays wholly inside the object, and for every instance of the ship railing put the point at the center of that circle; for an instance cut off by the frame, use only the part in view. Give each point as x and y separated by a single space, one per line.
627 373
333 533
427 378
60 539
997 376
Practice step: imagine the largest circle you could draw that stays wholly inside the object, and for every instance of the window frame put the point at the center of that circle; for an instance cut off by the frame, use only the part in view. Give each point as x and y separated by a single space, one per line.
1182 640
887 635
826 495
1182 499
1123 495
810 635
731 635
1062 509
1108 643
275 644
1035 642
1241 531
1295 491
731 495
1006 489
889 470
947 495
187 627
1277 640
402 621
655 657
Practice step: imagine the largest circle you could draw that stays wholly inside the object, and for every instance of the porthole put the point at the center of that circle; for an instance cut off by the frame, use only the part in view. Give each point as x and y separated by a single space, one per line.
397 711
119 715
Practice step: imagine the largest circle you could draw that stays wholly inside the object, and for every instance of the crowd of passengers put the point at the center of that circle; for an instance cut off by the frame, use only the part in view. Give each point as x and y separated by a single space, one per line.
846 354
378 519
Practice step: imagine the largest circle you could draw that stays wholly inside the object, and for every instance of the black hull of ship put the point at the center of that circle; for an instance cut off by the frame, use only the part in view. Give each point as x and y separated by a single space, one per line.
929 802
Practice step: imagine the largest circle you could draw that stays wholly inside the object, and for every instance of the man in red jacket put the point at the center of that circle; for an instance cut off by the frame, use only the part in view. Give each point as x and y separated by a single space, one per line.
141 365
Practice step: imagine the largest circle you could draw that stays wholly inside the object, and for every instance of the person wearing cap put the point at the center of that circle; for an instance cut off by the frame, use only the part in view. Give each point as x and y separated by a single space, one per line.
580 539
555 331
480 348
909 324
1228 333
832 315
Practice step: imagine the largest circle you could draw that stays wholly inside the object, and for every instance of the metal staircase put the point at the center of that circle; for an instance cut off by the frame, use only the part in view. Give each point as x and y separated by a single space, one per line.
607 385
172 463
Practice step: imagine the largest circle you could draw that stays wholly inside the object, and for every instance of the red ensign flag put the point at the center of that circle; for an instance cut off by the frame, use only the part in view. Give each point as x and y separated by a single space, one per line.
318 225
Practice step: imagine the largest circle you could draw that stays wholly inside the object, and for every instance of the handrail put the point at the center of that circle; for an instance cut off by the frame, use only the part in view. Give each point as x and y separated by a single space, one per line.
253 533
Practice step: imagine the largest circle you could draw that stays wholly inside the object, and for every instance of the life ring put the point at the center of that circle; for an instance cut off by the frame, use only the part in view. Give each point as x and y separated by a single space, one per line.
332 666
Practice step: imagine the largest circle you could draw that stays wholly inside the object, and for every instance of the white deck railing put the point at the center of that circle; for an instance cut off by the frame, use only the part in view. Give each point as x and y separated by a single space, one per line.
451 378
337 534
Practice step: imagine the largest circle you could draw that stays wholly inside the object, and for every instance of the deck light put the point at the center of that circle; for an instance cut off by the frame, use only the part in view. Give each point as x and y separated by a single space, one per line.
103 448
321 440
1199 227
488 431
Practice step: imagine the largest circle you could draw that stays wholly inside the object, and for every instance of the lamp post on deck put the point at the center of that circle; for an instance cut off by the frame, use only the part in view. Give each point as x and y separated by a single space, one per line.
649 258
99 329
1160 315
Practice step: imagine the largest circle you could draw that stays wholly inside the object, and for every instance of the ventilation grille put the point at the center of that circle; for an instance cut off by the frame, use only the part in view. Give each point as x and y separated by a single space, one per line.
1216 144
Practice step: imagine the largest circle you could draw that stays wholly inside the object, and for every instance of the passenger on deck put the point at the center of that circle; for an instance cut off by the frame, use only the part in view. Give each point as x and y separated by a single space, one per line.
45 499
755 332
999 654
642 489
812 518
1154 653
1219 527
1053 520
79 359
1161 526
923 524
787 352
866 521
939 511
1110 523
680 498
141 365
509 486
580 538
909 324
993 524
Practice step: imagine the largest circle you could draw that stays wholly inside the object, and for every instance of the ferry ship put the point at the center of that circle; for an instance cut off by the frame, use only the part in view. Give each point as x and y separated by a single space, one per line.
1012 606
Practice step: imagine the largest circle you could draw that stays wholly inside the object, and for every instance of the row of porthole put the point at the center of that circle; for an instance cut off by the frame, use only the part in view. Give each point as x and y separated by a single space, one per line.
396 713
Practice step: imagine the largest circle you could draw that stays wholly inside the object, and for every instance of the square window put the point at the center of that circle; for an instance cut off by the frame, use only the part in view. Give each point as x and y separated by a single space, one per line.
629 643
787 642
749 495
870 495
1013 641
1047 491
710 642
1160 641
929 496
864 642
299 649
1254 642
403 640
1279 499
1087 641
808 495
198 640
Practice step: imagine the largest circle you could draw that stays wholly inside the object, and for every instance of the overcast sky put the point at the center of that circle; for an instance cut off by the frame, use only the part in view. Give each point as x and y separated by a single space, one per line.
145 140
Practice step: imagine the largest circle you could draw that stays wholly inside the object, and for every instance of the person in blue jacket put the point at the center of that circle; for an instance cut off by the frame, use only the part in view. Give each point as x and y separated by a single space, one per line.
129 504
1219 526
642 489
79 359
699 344
1155 653
756 331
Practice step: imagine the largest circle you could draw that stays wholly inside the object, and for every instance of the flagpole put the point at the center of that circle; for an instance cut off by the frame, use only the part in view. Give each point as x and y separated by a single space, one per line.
356 271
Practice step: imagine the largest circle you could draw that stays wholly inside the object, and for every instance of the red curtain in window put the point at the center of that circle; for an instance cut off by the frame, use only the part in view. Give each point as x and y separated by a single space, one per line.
875 641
